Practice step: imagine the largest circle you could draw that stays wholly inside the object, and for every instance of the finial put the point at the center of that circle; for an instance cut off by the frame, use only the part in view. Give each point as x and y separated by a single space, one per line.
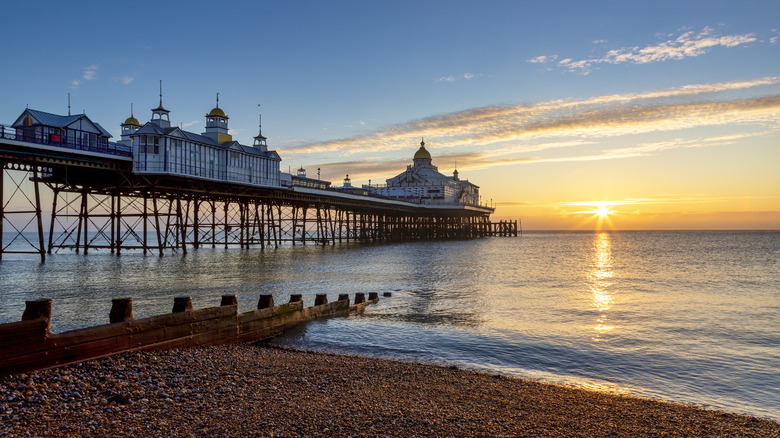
161 93
217 100
131 109
259 122
422 141
68 103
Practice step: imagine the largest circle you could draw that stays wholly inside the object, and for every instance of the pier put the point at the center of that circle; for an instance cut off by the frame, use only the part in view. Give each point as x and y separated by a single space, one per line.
111 196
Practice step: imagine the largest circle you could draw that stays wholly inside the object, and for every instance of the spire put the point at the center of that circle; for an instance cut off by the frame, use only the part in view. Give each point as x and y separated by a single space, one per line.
260 141
68 103
160 108
160 115
130 120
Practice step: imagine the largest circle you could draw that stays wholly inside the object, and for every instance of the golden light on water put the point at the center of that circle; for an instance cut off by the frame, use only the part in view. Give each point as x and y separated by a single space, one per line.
601 280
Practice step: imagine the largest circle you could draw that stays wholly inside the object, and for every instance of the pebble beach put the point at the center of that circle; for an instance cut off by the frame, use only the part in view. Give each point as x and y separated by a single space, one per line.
246 390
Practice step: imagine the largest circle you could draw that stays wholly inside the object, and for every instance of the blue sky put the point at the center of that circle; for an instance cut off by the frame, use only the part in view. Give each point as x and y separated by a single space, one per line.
599 98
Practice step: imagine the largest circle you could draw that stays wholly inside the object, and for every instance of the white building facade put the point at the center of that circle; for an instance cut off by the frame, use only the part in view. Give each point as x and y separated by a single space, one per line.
159 148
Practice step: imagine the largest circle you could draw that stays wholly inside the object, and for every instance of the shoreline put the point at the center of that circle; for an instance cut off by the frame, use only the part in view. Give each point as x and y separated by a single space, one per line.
249 390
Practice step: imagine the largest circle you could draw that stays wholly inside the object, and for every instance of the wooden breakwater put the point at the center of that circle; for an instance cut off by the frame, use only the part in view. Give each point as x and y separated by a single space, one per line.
28 345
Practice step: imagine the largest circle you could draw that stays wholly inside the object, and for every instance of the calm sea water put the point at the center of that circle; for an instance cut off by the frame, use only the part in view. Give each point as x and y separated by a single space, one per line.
690 317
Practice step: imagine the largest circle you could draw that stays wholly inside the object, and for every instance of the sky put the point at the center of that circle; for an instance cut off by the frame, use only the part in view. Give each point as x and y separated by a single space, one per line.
660 115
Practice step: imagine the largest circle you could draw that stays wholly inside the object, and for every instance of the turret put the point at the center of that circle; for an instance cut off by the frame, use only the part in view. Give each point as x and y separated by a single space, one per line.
217 125
422 157
160 115
129 127
260 141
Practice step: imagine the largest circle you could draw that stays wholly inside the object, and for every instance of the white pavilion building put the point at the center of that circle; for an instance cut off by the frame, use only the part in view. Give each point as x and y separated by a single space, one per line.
159 148
423 183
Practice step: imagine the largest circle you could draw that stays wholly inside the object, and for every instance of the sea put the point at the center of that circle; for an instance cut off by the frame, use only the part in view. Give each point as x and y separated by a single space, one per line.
683 316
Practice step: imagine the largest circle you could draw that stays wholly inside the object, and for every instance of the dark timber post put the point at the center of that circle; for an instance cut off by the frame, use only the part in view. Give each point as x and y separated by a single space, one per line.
266 301
195 223
38 309
38 212
2 206
182 304
157 222
227 221
145 218
118 222
229 300
56 192
121 310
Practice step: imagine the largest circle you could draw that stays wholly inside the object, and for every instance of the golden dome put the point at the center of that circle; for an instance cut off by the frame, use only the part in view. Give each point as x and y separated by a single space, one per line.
131 121
422 153
217 112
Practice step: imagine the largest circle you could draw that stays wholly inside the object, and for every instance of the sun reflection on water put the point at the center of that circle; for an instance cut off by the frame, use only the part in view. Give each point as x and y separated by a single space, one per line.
600 282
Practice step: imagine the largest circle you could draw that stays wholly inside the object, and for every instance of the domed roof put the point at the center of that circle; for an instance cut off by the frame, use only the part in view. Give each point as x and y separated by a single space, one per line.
131 121
217 112
422 153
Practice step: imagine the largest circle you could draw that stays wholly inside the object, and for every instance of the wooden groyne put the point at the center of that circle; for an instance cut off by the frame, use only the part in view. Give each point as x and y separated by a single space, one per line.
28 345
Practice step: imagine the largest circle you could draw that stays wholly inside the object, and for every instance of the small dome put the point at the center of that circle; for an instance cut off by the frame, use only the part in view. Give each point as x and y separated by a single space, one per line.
422 153
217 112
131 121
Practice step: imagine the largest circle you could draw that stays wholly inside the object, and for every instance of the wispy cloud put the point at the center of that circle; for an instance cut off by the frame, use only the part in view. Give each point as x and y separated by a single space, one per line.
543 59
451 78
570 119
558 131
90 73
686 45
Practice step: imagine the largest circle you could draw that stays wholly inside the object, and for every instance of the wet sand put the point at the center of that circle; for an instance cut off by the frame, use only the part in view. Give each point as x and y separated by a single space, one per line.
244 391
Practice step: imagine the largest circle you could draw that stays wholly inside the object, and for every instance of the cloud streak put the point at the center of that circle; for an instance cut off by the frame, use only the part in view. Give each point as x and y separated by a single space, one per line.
686 45
89 74
569 120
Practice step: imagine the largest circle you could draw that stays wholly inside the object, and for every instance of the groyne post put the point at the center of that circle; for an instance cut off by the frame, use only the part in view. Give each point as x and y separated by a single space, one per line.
360 297
343 297
373 296
320 299
38 309
294 298
182 304
121 310
229 300
266 301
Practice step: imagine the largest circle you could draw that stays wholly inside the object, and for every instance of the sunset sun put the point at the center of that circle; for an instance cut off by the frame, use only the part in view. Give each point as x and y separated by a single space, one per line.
602 211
